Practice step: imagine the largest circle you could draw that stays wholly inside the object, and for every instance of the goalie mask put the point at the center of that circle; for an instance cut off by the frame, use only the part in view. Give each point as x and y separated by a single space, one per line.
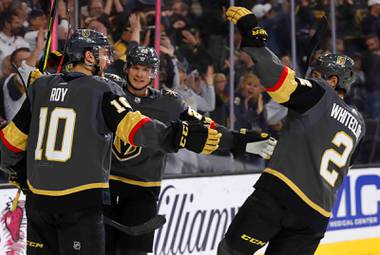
339 65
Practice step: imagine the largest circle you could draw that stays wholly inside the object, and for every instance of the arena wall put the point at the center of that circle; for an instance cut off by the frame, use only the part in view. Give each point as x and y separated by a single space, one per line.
199 210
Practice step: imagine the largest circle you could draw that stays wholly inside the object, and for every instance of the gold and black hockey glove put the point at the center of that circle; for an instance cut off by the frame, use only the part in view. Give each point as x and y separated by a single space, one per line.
253 142
246 21
197 137
192 115
20 183
17 175
34 75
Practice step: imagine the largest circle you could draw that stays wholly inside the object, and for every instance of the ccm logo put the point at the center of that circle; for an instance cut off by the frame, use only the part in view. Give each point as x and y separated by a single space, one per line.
34 244
252 240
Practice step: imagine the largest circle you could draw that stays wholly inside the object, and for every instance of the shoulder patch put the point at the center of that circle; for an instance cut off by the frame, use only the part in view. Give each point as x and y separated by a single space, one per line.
169 92
116 78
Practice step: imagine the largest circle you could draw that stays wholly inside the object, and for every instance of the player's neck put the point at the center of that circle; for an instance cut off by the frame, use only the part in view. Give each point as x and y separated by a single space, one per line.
138 92
82 69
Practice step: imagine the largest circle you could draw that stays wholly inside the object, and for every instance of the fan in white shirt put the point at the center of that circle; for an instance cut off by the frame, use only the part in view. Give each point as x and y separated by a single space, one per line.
10 25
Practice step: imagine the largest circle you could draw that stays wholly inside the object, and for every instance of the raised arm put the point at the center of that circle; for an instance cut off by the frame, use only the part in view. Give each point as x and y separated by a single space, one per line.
279 81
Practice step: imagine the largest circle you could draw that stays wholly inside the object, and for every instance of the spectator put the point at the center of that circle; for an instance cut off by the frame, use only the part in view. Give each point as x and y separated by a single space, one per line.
204 101
180 8
21 9
95 8
320 8
99 23
10 26
193 50
371 67
129 39
214 30
371 22
37 21
340 46
358 94
243 65
169 74
13 90
304 29
6 67
249 104
271 22
220 114
6 70
119 8
346 23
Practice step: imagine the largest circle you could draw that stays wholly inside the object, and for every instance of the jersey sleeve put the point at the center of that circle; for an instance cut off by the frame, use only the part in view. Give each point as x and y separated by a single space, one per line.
281 82
135 128
14 136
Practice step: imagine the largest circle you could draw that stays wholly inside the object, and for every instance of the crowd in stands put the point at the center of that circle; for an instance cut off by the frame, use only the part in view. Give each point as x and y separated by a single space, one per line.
194 53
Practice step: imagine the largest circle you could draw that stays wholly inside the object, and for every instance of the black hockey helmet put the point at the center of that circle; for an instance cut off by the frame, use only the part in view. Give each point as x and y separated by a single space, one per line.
86 39
336 64
141 55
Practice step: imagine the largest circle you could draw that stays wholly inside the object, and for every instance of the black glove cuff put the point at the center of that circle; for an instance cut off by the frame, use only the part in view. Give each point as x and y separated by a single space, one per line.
175 134
256 37
242 137
246 23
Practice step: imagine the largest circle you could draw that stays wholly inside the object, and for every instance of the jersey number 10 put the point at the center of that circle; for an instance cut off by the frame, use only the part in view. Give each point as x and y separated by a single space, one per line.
62 154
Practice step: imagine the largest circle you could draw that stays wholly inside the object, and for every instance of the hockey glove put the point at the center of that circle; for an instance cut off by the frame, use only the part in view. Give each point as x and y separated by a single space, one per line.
34 75
192 115
246 21
17 175
196 137
20 183
252 142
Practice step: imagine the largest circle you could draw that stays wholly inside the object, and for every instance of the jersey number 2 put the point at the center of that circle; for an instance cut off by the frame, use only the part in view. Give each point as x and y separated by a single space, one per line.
67 117
338 159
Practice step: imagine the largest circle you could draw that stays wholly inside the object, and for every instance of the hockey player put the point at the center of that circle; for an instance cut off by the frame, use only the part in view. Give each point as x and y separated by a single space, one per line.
65 127
294 196
136 172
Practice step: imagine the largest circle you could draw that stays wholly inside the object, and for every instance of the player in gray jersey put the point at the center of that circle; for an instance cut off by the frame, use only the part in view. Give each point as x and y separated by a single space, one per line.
65 127
136 172
294 196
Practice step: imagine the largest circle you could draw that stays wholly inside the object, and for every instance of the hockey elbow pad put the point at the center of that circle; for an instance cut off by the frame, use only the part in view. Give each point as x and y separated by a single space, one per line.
197 137
253 142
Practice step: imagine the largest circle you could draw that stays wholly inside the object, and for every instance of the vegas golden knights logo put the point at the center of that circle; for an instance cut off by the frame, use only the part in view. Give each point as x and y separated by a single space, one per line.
124 151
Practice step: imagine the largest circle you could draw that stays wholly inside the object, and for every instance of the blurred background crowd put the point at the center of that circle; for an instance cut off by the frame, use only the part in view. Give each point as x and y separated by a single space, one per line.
194 57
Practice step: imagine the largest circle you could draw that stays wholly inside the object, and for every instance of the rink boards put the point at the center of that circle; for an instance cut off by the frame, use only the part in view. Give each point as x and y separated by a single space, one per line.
199 210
